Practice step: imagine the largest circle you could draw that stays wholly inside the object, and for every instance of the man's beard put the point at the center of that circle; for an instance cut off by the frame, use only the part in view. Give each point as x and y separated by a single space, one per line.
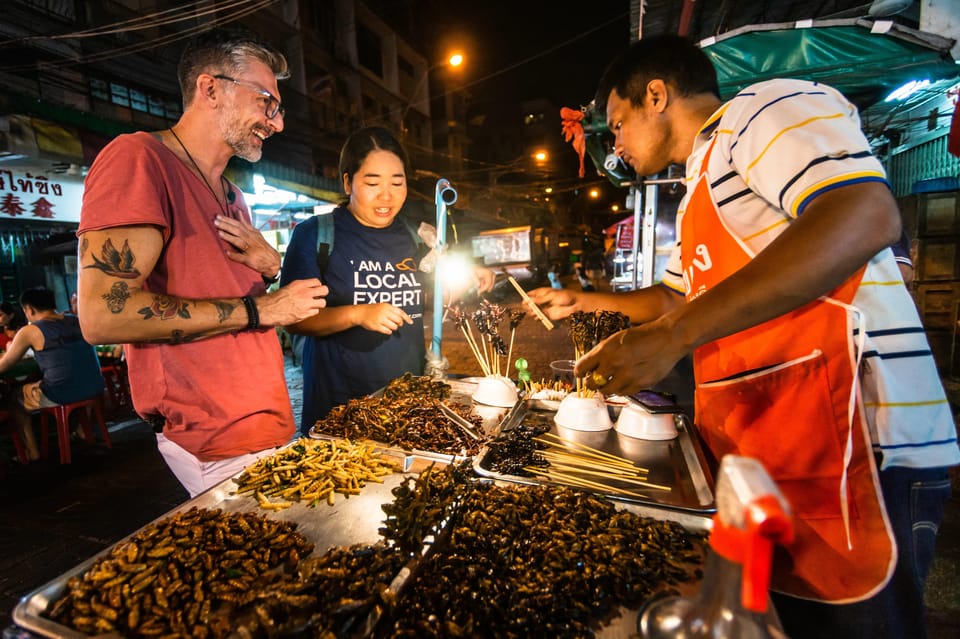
237 137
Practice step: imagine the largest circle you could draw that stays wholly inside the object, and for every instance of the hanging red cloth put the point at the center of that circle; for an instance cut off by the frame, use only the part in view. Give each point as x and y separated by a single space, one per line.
573 130
953 139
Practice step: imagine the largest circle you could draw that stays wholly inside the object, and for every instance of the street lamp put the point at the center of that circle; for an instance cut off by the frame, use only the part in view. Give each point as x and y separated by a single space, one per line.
455 60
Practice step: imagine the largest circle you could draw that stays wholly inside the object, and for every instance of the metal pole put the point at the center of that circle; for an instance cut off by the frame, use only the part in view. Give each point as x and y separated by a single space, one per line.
635 240
649 231
445 196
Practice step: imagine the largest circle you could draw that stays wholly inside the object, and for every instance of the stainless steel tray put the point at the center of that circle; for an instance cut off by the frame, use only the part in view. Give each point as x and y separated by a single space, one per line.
677 463
352 520
624 625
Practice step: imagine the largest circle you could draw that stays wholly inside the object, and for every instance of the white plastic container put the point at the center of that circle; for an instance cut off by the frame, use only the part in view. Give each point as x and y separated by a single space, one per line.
635 421
496 390
583 413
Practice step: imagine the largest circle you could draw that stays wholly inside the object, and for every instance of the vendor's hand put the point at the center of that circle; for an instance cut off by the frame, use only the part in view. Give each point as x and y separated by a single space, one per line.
381 318
633 359
555 303
249 246
296 301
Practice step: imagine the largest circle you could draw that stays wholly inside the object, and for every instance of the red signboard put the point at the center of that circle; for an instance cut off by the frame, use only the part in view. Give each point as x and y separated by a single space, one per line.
625 235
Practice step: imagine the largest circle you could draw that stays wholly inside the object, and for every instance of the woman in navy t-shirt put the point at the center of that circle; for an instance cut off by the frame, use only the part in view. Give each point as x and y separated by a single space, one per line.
372 328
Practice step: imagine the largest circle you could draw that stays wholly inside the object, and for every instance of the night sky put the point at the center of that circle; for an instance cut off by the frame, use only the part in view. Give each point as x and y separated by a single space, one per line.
522 50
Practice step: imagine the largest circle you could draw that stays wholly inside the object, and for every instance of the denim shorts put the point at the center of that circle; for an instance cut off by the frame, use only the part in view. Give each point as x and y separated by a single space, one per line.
915 499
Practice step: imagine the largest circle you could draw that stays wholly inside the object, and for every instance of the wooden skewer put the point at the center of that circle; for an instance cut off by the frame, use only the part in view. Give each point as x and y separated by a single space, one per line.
586 450
536 309
583 483
587 462
600 473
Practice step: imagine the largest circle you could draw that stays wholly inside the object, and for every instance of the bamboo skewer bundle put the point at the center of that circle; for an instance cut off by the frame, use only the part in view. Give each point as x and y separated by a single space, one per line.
569 460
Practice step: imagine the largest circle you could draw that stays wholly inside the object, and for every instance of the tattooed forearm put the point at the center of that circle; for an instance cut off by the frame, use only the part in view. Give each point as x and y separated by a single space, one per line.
84 243
117 297
224 310
165 307
114 262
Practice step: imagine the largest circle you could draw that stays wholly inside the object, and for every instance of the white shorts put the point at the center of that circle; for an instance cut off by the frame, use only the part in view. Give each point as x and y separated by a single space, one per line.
197 476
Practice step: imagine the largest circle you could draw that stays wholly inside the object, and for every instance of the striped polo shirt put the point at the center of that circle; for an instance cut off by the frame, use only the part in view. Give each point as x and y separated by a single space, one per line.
780 144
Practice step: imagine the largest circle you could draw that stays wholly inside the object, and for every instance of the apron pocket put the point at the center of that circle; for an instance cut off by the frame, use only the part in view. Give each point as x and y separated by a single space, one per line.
784 417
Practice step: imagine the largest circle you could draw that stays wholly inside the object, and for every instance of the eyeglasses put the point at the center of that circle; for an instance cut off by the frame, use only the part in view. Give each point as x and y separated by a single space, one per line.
271 108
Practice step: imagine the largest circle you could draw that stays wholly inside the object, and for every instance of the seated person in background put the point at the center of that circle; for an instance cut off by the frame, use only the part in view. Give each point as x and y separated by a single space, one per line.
69 365
6 314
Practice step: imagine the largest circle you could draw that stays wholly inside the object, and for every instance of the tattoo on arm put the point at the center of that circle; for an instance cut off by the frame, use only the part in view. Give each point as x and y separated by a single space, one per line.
84 243
114 262
165 307
224 310
117 297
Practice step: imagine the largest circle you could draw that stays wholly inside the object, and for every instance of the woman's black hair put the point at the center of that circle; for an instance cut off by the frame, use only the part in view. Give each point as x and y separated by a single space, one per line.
361 143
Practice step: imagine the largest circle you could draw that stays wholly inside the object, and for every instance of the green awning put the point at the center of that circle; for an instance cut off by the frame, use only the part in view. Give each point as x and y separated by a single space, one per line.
864 59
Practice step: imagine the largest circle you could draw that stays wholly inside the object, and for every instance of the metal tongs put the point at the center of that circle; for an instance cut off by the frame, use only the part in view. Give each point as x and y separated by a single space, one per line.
464 424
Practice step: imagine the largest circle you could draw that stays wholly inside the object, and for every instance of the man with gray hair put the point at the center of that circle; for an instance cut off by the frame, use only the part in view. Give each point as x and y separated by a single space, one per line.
171 266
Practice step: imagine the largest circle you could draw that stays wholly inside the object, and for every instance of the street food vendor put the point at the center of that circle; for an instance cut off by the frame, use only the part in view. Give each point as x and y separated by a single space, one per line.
808 351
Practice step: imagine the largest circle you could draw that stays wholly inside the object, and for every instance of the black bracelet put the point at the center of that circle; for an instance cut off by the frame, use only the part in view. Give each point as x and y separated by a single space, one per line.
253 315
267 281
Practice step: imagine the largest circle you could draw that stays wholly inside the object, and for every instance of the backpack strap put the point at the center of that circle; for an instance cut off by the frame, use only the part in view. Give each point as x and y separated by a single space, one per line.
324 241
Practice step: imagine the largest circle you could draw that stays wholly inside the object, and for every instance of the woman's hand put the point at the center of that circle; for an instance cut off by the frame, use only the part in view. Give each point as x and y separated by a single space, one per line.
381 318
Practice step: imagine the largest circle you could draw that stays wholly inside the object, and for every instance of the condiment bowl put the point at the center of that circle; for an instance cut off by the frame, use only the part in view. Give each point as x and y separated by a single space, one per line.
496 390
635 421
583 413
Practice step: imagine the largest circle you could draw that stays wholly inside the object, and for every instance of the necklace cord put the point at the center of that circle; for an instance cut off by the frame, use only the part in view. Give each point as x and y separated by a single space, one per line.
226 197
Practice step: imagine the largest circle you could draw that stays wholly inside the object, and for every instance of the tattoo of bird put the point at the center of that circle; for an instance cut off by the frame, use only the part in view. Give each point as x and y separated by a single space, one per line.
114 262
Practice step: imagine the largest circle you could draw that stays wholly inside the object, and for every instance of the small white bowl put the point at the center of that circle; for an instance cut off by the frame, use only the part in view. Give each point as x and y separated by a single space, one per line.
496 390
635 421
583 413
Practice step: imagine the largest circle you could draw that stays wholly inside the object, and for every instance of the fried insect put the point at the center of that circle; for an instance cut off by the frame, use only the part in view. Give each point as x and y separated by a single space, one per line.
311 471
408 422
215 562
539 562
419 386
589 329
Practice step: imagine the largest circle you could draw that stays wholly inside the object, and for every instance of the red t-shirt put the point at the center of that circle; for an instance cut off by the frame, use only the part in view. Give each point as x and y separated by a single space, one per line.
222 396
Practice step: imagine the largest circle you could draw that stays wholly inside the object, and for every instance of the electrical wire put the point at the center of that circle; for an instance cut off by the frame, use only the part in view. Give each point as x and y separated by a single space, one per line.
147 21
246 7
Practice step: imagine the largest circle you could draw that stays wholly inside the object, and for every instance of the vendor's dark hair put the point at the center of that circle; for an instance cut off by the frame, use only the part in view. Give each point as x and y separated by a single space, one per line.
674 59
225 51
361 143
39 298
7 308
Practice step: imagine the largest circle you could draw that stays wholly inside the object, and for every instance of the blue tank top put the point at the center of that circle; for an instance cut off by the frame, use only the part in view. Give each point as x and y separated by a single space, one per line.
71 370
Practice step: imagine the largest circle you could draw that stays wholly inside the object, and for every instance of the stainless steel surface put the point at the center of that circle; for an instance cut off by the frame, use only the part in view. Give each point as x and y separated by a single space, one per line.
351 520
676 463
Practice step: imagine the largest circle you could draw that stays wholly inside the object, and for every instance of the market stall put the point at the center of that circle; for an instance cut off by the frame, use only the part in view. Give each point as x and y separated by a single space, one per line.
422 529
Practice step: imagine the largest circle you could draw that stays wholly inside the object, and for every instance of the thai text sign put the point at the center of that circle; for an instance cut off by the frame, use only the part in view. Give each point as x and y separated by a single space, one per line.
35 197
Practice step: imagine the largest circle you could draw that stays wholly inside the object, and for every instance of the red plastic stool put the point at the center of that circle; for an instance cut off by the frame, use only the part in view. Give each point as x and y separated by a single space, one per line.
61 413
117 386
7 427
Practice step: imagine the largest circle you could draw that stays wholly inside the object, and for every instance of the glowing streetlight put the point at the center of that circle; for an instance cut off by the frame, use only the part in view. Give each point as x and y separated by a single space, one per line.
594 193
549 189
455 60
540 156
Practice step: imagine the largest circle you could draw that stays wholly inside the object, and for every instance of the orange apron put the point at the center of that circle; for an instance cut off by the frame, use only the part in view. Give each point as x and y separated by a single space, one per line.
784 392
